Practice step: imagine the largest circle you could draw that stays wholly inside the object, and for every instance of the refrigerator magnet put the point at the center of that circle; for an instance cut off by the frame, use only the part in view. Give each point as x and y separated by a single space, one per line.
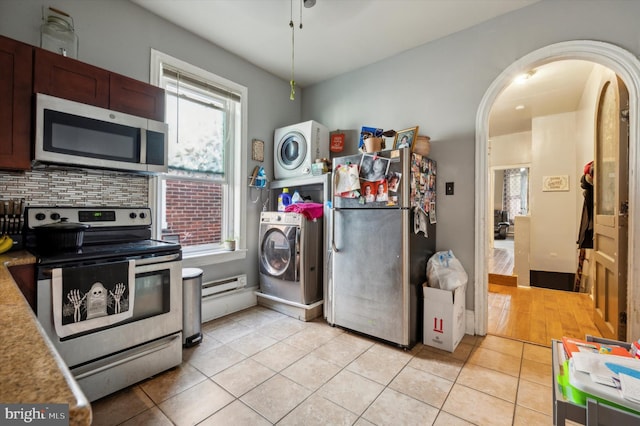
368 192
393 181
432 212
381 192
373 168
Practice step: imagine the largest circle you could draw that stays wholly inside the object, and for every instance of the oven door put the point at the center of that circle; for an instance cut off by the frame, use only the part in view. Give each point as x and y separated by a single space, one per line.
99 314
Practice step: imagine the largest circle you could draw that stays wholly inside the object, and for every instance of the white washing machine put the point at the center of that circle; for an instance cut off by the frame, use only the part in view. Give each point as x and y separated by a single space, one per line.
297 146
290 257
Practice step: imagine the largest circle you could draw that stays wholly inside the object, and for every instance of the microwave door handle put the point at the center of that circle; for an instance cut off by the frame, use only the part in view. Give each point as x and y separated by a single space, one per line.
143 145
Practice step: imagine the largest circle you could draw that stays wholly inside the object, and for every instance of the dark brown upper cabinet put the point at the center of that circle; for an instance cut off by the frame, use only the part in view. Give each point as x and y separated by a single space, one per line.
16 64
136 98
68 78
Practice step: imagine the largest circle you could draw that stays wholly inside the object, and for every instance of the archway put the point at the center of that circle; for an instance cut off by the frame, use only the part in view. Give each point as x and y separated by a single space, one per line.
625 65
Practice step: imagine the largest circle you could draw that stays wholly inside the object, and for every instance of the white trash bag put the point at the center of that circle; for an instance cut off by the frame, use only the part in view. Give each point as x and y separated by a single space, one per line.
444 271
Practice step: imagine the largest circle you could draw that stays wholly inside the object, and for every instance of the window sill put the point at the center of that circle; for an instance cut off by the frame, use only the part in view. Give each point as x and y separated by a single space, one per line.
211 257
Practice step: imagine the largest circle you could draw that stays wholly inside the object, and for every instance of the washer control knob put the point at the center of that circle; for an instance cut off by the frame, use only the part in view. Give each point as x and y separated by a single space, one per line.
40 216
143 215
133 215
55 216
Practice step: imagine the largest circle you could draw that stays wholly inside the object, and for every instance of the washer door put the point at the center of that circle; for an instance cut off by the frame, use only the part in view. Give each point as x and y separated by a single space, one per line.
292 150
278 253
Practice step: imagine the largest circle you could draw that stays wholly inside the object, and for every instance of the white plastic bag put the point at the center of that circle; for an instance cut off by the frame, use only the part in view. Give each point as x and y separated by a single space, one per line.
444 271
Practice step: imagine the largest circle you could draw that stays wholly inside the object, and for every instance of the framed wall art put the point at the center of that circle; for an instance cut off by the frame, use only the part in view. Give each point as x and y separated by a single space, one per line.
405 138
555 183
257 150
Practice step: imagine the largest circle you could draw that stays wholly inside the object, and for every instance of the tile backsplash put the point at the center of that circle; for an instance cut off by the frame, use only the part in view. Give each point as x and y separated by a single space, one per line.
75 187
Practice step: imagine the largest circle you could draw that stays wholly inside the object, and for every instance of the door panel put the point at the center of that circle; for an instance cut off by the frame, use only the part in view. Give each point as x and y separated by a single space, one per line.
278 247
610 219
369 288
15 104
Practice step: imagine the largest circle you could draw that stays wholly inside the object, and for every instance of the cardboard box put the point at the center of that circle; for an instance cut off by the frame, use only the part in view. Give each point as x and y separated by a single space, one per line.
444 317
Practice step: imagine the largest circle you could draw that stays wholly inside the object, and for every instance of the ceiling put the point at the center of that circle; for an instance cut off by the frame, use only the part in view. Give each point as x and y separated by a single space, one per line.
339 36
551 89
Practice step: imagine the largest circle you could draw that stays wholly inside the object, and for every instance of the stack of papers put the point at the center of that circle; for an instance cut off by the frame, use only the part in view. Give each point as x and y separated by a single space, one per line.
572 346
610 371
630 388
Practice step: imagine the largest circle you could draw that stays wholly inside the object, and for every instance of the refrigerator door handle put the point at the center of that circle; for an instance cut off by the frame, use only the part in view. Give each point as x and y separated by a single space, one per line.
333 230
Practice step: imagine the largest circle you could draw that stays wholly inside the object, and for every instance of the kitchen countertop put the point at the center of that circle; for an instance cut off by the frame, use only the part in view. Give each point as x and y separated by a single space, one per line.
31 370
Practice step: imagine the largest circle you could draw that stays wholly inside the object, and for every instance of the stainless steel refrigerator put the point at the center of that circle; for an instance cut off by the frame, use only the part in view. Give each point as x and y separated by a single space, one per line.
382 232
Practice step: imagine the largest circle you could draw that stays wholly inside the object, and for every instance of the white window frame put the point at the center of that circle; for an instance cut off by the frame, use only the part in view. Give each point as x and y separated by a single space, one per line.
236 225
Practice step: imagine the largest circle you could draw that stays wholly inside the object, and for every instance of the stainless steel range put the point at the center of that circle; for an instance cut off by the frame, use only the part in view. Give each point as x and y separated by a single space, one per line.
112 306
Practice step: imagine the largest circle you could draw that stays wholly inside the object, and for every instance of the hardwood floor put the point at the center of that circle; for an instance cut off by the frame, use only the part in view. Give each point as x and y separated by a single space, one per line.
533 314
501 261
537 315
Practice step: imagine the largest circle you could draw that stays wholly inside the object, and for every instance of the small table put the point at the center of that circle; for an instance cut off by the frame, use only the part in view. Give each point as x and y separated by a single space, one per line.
595 412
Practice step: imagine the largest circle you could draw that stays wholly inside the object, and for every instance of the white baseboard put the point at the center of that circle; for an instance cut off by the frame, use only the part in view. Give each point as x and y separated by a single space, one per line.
469 322
228 303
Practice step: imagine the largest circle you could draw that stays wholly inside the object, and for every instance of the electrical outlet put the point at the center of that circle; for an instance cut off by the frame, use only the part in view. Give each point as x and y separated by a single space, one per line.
448 188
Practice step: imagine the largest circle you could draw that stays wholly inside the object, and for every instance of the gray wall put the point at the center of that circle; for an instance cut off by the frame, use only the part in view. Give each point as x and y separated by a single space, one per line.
439 86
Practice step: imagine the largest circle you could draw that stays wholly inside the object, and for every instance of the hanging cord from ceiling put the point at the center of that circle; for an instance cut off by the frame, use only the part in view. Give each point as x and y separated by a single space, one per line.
292 82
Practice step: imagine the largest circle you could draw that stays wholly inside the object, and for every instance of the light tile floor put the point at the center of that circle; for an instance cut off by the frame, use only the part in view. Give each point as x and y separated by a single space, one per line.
260 367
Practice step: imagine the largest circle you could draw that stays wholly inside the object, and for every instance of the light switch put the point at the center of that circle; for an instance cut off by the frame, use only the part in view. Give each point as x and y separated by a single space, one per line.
448 188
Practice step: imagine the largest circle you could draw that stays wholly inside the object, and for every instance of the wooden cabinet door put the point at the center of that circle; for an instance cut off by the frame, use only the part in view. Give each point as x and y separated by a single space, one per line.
137 98
16 61
25 277
67 78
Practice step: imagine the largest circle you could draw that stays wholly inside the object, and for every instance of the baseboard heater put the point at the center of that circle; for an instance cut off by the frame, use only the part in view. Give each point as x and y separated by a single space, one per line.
225 285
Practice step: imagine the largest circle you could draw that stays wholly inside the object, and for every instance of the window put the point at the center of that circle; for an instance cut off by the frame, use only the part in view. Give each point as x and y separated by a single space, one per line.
516 192
200 199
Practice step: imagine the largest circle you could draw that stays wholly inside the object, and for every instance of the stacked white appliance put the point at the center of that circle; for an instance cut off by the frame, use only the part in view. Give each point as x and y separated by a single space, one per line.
296 147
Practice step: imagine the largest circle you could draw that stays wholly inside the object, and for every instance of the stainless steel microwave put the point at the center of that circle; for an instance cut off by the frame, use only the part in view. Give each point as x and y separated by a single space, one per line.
68 132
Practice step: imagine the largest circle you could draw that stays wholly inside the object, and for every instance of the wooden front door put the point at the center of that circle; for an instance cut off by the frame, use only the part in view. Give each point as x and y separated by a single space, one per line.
611 189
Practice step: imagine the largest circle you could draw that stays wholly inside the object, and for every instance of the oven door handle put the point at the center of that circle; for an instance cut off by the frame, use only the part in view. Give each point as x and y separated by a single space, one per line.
129 356
158 259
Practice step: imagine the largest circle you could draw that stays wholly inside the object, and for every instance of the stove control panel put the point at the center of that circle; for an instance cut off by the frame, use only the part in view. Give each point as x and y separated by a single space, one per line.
92 216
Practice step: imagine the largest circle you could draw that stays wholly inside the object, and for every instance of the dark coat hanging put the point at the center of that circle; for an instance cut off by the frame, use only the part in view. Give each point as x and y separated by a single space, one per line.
585 234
